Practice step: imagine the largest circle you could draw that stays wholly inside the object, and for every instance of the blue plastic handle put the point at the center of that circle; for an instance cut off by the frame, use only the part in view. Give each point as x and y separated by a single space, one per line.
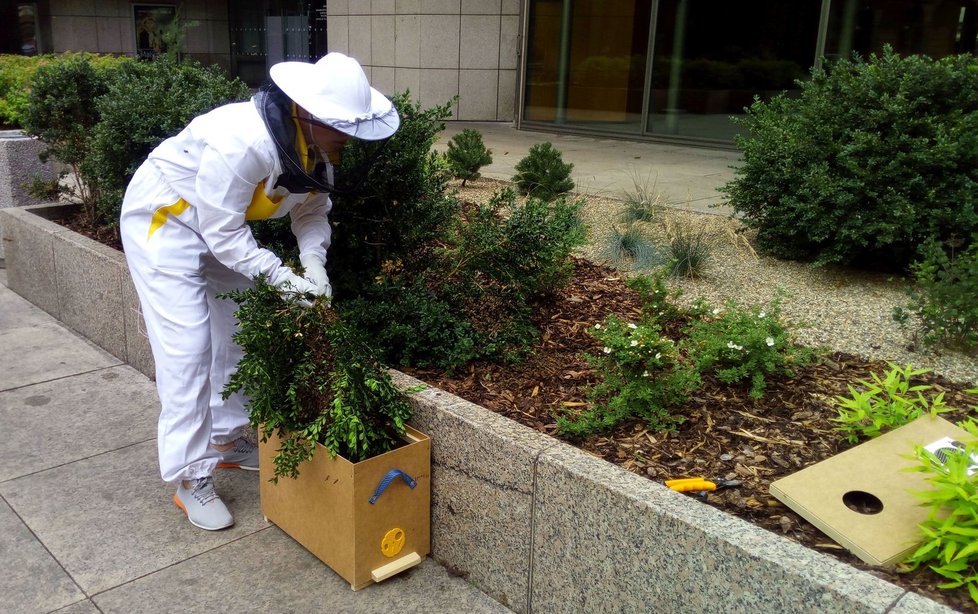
386 481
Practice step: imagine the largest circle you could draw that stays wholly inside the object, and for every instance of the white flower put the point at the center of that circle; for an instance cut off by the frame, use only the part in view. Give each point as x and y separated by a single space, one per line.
633 343
645 374
597 326
632 326
716 312
761 315
769 341
658 355
734 346
607 350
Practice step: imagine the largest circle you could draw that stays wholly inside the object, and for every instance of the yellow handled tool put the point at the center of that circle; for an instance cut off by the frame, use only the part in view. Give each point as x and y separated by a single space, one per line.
691 484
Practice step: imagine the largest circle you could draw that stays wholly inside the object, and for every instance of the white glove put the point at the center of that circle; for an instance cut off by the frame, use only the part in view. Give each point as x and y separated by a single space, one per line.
292 286
316 273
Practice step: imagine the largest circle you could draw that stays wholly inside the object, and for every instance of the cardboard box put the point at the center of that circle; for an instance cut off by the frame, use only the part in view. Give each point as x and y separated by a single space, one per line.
863 498
328 508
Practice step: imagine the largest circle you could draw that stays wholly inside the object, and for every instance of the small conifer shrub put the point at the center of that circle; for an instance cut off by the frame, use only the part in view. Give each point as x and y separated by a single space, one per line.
543 173
467 154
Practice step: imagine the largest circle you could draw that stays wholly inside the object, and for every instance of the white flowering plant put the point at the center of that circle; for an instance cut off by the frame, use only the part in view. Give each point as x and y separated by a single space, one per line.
643 374
737 343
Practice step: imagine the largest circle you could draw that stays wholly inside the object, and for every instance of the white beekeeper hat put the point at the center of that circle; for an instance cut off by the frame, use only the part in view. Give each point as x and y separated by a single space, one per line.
335 91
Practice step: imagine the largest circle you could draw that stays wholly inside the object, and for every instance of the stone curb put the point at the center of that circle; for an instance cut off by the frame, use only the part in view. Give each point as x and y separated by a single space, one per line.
534 523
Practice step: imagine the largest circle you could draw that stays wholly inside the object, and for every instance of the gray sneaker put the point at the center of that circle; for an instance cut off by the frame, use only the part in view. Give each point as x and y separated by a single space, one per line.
203 507
243 455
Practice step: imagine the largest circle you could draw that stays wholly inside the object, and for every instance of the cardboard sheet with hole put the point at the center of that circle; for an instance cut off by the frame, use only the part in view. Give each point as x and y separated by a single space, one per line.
863 498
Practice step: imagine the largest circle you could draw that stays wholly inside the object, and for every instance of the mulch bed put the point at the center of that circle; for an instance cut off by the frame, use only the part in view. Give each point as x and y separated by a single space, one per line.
726 433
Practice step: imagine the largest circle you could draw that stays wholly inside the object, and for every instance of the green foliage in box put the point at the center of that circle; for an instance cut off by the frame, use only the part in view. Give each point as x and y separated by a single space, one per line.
467 154
873 158
313 378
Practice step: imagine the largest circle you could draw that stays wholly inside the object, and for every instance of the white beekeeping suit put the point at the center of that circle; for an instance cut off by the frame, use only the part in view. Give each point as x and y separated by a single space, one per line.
186 240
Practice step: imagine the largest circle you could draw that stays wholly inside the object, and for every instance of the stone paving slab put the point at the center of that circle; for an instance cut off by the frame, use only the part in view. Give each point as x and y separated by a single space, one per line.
37 348
269 572
83 415
109 519
31 580
82 607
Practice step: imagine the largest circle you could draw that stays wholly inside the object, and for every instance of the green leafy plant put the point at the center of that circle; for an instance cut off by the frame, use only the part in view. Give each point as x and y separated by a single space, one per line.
642 375
943 298
543 173
950 545
885 403
870 160
312 378
740 343
467 154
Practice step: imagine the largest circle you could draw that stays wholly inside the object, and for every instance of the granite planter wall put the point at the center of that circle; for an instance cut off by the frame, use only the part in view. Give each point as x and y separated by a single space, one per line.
19 165
537 524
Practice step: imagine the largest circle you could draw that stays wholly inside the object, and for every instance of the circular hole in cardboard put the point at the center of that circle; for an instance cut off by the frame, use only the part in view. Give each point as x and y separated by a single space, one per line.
862 502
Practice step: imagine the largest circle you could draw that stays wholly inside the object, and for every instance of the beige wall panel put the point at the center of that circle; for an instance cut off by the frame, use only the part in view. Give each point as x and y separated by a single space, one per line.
360 39
382 40
407 41
441 7
407 7
383 79
110 32
480 7
337 7
408 79
479 41
382 7
70 33
478 99
439 41
338 34
506 109
510 7
438 86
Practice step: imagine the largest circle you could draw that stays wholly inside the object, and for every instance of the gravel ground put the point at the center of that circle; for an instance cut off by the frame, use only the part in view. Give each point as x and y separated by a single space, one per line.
839 309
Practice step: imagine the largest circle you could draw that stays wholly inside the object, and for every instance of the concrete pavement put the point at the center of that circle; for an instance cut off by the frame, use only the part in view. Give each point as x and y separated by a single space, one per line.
686 177
86 524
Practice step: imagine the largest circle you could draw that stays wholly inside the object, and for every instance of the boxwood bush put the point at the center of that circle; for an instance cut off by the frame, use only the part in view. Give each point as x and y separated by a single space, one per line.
145 103
872 159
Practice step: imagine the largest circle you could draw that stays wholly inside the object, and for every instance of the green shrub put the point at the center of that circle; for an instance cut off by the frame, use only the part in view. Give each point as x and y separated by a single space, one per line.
312 378
16 72
467 154
543 173
943 298
743 343
62 114
872 159
393 217
884 404
471 296
642 376
136 115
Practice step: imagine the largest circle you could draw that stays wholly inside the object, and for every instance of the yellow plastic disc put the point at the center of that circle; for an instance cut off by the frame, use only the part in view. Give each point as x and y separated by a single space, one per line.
393 542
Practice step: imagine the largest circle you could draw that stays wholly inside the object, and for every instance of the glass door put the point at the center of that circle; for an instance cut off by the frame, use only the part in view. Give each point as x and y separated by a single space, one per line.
711 57
586 63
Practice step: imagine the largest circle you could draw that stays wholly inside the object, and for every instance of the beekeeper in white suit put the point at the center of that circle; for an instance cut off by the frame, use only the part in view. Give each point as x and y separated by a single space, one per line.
186 239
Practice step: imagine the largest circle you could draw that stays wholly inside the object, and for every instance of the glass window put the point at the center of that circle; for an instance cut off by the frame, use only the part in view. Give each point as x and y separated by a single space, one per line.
933 27
711 58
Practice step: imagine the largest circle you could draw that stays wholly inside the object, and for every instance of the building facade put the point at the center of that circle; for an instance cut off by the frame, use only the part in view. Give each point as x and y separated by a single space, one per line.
642 69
